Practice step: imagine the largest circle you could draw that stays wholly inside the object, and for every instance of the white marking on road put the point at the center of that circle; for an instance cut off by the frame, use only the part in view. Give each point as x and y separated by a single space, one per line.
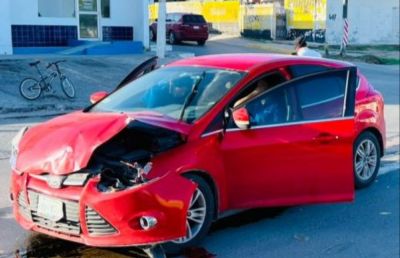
387 168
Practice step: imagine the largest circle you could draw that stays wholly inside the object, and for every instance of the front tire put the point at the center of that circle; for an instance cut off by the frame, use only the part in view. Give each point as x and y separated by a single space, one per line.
68 88
199 217
30 89
366 159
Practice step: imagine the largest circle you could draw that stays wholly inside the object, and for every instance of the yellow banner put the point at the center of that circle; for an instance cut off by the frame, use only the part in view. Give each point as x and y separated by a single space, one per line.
257 17
301 14
214 12
306 14
221 12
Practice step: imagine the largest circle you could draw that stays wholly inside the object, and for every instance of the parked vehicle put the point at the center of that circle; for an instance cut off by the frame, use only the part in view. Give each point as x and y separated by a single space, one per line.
183 27
163 156
31 88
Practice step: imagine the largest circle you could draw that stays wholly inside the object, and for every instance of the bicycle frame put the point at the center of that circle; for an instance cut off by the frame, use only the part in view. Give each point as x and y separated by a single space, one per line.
47 80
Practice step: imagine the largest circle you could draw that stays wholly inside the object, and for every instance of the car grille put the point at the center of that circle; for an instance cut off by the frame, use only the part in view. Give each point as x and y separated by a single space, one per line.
96 225
68 225
23 206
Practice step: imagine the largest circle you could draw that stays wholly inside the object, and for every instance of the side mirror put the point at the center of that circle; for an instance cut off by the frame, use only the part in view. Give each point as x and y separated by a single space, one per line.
97 96
241 118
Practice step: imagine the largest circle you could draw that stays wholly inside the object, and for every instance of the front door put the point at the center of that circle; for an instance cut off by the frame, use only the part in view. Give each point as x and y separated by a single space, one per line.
299 147
88 12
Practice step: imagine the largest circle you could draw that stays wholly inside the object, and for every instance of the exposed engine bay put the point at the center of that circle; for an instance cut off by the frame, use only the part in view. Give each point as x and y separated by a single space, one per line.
125 160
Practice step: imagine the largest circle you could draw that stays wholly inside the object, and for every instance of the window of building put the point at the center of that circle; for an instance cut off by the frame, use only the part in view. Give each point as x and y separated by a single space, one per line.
105 8
88 5
56 8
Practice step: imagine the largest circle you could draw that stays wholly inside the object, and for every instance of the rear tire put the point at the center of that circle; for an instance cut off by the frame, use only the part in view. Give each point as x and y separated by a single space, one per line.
366 159
68 87
201 42
172 38
202 198
30 89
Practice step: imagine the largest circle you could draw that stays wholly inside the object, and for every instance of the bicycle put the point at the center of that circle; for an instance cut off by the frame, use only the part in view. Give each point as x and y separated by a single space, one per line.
31 88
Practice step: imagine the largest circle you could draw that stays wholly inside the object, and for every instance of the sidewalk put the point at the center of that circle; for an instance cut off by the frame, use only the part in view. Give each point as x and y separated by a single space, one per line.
88 74
380 54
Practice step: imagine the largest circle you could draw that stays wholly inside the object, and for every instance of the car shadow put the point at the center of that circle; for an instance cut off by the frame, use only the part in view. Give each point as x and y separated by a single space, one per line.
39 245
247 217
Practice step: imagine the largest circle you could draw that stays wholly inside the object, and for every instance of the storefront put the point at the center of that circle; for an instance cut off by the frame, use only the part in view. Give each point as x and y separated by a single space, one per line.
57 23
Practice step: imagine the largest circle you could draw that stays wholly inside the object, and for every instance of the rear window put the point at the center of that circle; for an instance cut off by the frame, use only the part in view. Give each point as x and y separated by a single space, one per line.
193 19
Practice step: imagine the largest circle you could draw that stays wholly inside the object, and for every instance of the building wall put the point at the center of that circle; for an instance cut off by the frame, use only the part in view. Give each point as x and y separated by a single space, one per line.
127 22
370 22
5 29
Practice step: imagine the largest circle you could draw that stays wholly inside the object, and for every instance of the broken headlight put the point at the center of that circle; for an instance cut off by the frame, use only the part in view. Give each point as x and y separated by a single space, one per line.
114 181
76 179
15 148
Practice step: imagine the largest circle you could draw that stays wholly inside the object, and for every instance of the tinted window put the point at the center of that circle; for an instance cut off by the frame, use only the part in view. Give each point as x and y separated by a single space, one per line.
313 98
258 87
105 8
273 107
301 70
193 19
216 124
322 96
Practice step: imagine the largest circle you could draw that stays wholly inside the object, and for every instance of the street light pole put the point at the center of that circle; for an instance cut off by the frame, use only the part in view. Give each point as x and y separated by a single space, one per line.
161 24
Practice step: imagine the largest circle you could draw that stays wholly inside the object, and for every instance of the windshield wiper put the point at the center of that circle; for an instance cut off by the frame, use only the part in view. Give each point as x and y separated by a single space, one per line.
191 95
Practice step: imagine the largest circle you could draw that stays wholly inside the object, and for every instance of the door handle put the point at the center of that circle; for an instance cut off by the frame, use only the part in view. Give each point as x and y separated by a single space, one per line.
325 138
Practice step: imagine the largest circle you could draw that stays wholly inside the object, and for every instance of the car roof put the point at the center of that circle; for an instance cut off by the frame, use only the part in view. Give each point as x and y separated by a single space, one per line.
247 62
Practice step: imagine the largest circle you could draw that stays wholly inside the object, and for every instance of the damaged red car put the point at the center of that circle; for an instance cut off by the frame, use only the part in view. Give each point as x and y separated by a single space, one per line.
164 155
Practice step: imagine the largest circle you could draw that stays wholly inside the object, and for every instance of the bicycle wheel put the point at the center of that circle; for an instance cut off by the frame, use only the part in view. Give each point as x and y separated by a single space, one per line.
30 89
68 87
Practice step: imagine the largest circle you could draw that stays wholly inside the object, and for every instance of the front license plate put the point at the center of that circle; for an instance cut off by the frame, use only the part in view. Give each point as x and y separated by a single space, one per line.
196 27
50 208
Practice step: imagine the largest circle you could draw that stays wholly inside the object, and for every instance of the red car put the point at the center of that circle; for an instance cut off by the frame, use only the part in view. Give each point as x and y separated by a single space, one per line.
165 155
183 27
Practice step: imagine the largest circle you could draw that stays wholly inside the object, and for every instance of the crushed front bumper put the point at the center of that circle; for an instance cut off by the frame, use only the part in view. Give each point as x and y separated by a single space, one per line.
106 219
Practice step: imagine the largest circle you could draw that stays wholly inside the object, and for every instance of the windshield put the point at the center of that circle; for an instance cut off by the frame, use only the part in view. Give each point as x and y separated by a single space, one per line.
173 91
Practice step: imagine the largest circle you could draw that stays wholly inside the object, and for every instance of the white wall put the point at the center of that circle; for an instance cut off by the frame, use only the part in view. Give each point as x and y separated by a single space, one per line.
371 21
129 13
25 12
122 13
5 28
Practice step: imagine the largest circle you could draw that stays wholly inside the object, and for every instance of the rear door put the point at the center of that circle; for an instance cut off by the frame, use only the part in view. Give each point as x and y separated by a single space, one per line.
299 148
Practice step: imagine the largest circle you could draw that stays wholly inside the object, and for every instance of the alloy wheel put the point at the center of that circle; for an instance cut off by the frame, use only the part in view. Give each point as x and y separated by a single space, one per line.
366 159
195 218
171 38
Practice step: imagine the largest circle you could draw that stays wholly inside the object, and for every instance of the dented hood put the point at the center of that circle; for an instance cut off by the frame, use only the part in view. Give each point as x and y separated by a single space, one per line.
65 144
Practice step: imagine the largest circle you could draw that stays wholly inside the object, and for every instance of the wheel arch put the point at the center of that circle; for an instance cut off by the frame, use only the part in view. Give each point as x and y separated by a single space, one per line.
210 181
378 136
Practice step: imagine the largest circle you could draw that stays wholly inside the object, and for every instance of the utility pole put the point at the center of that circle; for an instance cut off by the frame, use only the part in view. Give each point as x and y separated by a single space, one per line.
345 39
146 32
161 24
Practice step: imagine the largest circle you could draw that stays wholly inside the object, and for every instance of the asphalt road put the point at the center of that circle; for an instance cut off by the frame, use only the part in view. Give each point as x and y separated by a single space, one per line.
368 227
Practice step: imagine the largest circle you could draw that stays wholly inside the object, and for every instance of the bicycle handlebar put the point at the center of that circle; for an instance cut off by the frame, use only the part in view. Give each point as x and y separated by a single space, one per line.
55 63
